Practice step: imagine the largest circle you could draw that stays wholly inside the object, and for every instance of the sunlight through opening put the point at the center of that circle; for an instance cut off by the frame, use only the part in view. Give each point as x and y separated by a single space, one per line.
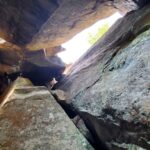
2 41
80 43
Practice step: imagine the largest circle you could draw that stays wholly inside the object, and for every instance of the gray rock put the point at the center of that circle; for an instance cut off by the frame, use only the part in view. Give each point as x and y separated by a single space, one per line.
30 119
110 85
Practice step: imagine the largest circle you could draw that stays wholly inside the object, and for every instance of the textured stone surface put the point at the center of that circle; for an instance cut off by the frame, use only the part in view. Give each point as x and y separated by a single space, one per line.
109 85
48 23
30 119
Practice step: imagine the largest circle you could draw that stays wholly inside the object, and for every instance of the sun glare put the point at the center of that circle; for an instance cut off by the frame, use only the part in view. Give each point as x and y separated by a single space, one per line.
79 44
2 41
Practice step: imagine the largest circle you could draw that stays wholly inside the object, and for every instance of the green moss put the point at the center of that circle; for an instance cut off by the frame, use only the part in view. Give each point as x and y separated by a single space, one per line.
141 38
93 38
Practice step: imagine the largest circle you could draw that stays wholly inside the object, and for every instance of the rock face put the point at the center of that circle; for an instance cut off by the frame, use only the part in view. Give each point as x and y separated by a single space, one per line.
48 23
31 119
110 85
39 68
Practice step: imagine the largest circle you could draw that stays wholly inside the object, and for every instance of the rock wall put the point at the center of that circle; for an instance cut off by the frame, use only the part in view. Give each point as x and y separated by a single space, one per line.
110 85
45 25
31 119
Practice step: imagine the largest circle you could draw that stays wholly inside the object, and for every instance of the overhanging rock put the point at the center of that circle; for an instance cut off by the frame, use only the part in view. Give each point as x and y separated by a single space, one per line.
48 23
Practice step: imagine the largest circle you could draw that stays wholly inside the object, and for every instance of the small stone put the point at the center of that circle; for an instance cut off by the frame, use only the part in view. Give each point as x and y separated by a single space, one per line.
59 94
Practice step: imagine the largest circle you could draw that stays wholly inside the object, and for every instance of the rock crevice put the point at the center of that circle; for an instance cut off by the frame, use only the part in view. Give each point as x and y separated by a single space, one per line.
113 100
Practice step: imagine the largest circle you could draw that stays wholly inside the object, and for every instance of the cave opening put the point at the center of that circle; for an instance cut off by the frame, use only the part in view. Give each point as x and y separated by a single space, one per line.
106 95
80 43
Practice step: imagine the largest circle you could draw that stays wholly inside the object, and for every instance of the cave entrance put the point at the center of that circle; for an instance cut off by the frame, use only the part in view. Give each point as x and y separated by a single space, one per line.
80 43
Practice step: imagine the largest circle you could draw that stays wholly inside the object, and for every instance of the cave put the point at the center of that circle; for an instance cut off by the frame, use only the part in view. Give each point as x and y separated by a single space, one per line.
101 101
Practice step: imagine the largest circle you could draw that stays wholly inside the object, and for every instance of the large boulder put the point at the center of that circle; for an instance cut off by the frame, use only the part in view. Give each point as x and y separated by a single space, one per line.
48 23
31 119
110 85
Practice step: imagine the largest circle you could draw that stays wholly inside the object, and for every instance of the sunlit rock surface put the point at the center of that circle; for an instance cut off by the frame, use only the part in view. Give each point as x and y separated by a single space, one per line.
110 85
31 119
48 23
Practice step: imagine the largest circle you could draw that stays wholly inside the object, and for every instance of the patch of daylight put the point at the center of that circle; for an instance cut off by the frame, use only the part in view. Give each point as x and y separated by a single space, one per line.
79 44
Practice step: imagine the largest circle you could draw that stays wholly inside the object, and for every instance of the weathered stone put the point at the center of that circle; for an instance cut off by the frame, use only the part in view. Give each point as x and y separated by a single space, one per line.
48 23
20 82
10 55
9 89
59 94
109 85
31 119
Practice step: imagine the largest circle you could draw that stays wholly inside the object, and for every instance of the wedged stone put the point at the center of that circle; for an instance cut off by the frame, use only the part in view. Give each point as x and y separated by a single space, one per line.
31 119
109 85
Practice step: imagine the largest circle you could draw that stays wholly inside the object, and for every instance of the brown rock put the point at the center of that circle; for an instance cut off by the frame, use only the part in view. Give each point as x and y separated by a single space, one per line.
46 23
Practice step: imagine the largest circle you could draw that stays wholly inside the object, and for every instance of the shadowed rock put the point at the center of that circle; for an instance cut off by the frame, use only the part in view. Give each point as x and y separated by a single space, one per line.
41 69
35 66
